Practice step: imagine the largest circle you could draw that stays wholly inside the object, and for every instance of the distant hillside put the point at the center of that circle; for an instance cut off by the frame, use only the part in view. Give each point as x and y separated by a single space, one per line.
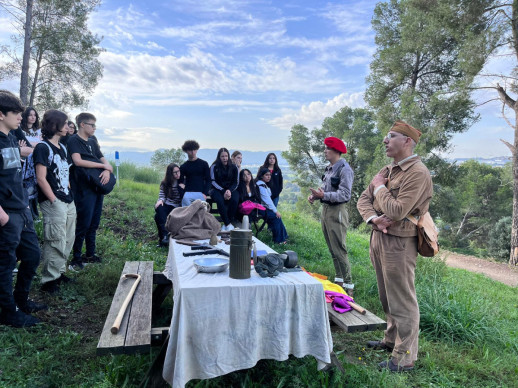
497 161
250 158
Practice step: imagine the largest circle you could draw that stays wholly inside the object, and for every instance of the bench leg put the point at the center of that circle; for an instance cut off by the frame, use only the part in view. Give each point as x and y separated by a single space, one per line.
159 294
153 378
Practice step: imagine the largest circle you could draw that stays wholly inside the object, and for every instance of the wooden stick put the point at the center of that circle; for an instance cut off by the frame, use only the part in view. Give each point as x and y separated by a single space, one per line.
117 323
357 307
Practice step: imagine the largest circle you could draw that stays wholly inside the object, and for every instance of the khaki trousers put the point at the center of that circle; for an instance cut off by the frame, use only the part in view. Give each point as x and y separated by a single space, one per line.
59 228
335 220
394 259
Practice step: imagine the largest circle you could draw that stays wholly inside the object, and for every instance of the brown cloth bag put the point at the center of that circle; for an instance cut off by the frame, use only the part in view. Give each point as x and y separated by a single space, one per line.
427 236
192 222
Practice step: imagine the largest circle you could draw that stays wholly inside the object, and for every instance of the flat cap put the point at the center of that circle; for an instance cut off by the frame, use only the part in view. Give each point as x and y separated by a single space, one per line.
336 144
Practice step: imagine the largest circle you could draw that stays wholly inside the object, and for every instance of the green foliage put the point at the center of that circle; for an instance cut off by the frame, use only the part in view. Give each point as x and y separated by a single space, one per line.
499 239
306 153
64 54
428 53
133 172
162 158
468 201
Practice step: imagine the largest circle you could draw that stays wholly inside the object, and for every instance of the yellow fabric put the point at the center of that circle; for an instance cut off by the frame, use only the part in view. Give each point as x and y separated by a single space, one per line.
329 286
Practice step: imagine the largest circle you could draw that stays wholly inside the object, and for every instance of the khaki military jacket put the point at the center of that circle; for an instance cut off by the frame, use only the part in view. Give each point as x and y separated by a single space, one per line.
408 191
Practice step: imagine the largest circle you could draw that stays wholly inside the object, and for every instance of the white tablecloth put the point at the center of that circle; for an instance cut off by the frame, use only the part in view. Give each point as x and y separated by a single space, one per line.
221 325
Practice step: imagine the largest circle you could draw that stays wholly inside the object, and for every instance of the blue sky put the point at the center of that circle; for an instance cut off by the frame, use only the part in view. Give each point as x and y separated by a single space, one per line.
238 74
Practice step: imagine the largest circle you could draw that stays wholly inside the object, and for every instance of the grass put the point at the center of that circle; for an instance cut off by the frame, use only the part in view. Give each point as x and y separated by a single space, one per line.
469 323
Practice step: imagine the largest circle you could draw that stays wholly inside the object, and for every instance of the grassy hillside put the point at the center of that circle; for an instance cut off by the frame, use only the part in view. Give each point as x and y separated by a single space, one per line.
468 322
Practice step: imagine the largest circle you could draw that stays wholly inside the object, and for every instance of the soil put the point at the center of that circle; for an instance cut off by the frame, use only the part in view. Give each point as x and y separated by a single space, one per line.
498 271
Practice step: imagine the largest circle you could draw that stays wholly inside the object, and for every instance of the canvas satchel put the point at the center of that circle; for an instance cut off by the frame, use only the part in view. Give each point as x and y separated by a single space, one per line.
427 235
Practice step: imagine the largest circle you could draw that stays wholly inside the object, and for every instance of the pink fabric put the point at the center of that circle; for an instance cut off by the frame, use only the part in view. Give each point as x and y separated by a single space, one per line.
339 302
247 207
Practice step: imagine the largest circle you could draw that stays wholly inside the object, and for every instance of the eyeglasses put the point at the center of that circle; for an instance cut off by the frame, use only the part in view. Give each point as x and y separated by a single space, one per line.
392 135
91 124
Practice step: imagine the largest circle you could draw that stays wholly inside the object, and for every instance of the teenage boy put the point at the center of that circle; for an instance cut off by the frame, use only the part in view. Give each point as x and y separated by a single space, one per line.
83 148
17 235
195 173
56 201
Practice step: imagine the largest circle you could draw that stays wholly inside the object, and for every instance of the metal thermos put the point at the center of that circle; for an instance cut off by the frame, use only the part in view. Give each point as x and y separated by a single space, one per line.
240 253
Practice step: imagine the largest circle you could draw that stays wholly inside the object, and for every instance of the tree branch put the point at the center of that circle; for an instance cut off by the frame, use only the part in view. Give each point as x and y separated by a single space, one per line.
493 99
505 97
509 145
498 6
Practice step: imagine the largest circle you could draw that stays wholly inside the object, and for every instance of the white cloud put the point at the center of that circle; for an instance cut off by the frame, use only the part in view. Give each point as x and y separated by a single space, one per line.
350 18
138 138
314 113
200 72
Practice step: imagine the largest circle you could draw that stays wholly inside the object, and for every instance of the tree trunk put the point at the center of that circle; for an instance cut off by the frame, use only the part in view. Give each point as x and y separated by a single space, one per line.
36 76
513 259
24 79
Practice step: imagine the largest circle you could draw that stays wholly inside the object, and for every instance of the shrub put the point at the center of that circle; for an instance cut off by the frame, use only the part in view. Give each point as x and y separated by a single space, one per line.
500 239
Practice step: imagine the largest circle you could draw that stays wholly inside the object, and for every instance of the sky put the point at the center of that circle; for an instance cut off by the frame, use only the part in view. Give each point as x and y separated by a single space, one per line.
239 74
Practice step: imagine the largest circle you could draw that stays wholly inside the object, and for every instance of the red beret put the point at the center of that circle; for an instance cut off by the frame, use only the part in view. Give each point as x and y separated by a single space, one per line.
336 144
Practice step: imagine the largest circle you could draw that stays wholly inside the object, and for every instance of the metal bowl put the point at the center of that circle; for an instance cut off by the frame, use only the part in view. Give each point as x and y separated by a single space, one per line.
211 264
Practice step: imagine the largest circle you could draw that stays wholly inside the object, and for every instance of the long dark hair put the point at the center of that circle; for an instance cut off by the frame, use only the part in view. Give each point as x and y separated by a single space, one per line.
169 180
25 119
262 170
224 170
243 194
267 163
53 121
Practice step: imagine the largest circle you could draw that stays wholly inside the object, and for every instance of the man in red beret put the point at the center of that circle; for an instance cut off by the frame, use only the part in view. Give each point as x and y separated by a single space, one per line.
402 188
334 193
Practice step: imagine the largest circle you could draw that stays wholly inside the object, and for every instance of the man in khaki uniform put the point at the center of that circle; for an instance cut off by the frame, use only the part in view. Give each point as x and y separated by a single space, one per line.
334 193
403 187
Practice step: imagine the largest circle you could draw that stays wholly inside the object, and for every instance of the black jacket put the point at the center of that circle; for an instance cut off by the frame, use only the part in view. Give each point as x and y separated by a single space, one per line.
224 178
276 183
13 197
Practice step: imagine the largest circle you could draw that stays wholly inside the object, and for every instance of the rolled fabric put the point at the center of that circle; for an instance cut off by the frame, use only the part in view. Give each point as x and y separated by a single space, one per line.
339 301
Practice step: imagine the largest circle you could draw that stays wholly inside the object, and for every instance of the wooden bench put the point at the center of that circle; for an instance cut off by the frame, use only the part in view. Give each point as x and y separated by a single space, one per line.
353 321
136 334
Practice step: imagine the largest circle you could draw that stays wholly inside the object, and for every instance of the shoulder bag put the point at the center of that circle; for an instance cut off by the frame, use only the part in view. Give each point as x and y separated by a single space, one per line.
427 235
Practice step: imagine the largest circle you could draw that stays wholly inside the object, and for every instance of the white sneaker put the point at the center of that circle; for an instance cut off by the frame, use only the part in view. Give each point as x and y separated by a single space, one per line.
224 228
230 227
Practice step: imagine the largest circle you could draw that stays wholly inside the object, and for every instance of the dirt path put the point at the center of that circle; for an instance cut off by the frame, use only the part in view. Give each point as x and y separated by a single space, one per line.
500 272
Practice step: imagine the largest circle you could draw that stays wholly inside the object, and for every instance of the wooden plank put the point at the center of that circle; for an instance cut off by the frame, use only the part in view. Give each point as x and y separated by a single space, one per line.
114 343
373 321
353 321
138 335
348 321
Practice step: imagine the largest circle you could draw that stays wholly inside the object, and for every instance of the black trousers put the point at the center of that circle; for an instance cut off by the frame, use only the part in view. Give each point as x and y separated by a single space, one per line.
89 206
18 239
161 214
226 208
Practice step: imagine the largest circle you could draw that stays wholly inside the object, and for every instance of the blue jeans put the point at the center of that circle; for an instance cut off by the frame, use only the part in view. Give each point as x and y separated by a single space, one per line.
275 201
17 239
89 206
276 226
191 196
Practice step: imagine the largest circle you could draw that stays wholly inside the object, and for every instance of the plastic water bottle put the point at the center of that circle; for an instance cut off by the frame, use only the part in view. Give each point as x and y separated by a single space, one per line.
246 223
